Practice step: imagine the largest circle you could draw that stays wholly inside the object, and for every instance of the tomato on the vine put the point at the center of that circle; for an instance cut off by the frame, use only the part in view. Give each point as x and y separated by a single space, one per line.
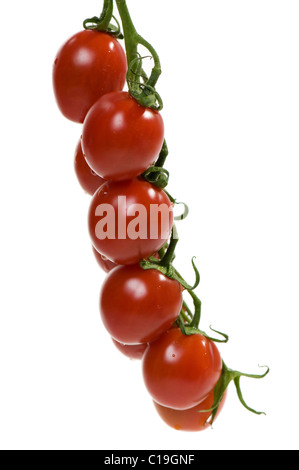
129 220
138 305
104 262
193 419
179 370
121 139
87 178
132 351
89 65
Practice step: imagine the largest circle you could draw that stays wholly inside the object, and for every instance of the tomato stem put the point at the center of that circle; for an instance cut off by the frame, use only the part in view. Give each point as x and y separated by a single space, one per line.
197 306
103 22
163 155
144 93
106 14
170 253
130 33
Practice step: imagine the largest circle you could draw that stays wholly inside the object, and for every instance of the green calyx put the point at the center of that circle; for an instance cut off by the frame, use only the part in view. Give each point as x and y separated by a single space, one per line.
228 376
103 22
190 325
165 266
157 176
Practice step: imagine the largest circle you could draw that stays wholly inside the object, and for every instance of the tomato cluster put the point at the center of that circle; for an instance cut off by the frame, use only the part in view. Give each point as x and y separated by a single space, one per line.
139 308
141 300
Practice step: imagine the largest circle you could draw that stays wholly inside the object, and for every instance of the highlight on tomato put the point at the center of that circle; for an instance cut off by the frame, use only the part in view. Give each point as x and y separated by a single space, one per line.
129 220
180 371
138 305
87 178
89 65
121 139
192 420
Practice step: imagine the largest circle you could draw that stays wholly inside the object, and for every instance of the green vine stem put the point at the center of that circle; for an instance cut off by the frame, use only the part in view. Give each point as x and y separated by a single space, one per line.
144 93
106 15
163 155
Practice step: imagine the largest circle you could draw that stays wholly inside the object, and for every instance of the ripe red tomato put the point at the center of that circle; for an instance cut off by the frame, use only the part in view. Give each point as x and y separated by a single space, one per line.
193 419
103 262
180 371
89 65
133 351
87 178
117 232
138 305
121 138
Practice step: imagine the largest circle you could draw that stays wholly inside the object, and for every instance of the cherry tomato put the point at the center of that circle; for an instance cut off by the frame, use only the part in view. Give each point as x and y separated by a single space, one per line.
103 262
180 371
89 65
133 351
124 222
121 138
138 305
193 419
87 178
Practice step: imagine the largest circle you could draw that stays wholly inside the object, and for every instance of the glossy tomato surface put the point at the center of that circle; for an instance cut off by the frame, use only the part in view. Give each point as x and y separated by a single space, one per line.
192 420
132 351
124 224
89 65
138 305
180 371
87 178
103 262
121 139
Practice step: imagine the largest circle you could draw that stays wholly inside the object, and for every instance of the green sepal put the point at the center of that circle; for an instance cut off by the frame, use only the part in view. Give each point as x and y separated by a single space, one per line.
157 176
171 272
189 330
227 376
103 23
146 96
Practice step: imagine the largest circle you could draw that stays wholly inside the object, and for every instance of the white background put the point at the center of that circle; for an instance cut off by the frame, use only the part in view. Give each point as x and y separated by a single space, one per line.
230 88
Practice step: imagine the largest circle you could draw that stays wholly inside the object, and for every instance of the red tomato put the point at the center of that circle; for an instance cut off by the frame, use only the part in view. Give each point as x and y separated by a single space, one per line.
121 138
89 65
133 351
124 223
193 419
139 305
103 262
87 178
180 371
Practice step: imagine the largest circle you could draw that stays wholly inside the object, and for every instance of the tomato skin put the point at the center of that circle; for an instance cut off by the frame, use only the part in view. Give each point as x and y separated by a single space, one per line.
180 371
132 351
89 65
138 305
88 180
124 249
193 419
121 138
103 262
